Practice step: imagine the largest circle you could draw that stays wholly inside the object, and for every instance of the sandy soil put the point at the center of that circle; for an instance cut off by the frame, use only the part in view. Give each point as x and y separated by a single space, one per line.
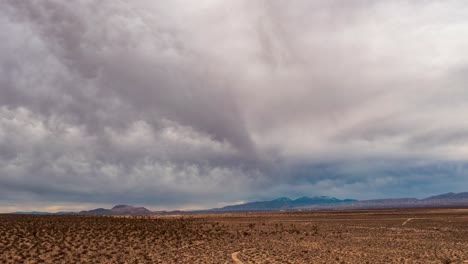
381 236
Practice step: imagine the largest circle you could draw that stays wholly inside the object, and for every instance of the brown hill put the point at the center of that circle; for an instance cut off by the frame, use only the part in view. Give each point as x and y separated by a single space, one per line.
126 209
119 210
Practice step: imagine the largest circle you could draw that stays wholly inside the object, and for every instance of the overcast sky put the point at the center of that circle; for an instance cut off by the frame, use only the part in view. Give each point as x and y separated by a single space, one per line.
197 104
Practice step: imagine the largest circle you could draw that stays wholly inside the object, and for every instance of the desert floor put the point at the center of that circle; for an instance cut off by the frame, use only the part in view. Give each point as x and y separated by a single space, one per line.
378 236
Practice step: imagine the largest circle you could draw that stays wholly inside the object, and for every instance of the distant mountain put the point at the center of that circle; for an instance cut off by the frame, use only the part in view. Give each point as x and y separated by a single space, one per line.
31 213
303 203
126 209
450 195
98 211
331 203
118 210
65 213
368 204
391 201
442 200
282 203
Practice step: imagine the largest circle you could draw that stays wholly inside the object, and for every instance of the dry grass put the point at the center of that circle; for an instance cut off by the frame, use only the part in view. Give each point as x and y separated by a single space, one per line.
431 236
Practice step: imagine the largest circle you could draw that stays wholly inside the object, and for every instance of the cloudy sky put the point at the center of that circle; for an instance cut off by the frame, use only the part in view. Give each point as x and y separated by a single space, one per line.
196 104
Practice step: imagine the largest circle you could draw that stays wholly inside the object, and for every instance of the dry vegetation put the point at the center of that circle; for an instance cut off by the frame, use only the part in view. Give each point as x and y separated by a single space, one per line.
403 236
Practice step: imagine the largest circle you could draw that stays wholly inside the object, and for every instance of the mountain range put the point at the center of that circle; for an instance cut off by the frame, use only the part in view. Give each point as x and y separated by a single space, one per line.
449 196
283 203
437 201
303 203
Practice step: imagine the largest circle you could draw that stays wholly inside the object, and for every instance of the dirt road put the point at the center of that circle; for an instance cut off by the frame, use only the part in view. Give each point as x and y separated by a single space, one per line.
234 257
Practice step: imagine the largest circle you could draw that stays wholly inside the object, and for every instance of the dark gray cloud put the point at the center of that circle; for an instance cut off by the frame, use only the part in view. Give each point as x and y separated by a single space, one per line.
176 104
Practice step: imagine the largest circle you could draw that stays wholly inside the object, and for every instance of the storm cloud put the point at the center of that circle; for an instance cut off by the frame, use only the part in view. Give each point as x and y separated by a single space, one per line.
177 104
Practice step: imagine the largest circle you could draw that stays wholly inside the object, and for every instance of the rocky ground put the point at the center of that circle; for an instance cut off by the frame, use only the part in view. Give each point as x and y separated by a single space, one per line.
380 236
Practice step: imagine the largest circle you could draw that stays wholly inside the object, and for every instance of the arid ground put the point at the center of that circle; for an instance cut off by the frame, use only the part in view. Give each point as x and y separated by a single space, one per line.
379 236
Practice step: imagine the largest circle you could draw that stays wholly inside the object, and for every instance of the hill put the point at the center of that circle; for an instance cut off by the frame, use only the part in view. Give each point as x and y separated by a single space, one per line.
119 210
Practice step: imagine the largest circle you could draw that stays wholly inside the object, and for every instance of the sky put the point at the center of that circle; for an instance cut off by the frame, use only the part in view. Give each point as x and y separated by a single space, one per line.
179 104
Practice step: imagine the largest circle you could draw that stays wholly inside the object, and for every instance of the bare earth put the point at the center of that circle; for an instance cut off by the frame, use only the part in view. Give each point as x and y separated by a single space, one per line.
379 236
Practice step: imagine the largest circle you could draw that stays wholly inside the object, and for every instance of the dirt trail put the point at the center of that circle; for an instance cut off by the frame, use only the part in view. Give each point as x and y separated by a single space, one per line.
234 257
407 220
